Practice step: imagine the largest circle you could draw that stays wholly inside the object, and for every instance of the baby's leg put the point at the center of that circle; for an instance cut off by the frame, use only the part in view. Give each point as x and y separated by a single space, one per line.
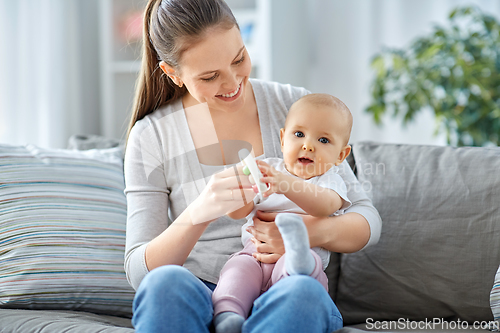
239 285
298 257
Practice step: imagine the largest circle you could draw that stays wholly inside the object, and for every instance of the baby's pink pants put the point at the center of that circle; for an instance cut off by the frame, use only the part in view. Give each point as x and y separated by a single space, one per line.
243 278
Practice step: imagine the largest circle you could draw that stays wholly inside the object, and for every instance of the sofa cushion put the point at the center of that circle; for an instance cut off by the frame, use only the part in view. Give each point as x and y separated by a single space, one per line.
39 321
62 230
439 248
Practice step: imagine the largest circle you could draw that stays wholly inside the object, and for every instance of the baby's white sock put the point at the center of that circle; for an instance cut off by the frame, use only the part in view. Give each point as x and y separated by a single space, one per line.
298 257
228 322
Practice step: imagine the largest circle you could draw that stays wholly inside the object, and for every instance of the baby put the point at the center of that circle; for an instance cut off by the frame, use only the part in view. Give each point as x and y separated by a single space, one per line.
314 141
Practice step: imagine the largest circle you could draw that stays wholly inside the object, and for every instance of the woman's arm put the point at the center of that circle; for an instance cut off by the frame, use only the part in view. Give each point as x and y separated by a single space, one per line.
222 194
150 240
344 234
242 212
173 245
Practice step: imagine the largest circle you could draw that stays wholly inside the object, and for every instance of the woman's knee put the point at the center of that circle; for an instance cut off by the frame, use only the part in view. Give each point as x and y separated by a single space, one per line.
302 297
305 290
172 295
303 287
169 276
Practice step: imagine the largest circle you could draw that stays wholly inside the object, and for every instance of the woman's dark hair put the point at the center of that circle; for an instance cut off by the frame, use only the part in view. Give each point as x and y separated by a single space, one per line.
170 27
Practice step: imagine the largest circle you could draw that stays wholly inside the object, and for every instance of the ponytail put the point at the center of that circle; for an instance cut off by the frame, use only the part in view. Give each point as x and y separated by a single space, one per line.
153 88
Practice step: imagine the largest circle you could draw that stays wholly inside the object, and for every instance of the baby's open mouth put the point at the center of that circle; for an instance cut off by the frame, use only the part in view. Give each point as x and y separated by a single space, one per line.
305 160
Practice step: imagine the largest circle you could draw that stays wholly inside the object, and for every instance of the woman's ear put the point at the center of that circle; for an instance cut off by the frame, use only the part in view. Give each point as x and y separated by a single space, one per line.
343 154
170 71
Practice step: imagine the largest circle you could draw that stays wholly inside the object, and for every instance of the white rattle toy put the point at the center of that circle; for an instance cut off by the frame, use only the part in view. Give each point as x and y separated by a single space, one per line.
251 168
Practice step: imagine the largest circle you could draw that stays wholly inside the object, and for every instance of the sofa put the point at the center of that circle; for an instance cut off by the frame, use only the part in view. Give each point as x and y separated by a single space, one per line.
62 240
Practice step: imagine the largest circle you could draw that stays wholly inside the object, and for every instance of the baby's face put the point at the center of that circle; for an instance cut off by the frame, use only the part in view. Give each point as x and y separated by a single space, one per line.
312 140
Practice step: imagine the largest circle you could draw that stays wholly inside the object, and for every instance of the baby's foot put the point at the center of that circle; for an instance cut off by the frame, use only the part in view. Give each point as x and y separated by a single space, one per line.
298 257
228 322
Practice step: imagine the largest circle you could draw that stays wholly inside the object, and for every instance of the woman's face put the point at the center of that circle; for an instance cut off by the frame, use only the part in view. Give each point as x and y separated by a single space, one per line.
216 70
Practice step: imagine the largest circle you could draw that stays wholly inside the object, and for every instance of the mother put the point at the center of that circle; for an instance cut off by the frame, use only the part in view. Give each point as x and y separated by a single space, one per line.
194 106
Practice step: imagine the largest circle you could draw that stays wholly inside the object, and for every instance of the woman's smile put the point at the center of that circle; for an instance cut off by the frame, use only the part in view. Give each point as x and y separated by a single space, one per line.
231 96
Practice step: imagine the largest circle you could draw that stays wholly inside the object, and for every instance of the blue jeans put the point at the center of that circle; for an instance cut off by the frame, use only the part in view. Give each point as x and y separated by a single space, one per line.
172 299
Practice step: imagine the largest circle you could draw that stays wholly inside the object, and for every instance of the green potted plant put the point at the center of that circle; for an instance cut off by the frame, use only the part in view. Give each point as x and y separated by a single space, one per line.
455 71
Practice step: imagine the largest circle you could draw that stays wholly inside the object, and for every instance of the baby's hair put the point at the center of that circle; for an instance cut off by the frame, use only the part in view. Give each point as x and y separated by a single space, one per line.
332 102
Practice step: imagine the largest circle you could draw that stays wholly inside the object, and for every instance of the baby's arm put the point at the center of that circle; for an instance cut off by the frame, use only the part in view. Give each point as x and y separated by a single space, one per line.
241 212
313 199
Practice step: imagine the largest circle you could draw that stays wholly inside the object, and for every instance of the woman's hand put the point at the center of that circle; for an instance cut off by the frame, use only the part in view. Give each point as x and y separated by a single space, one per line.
226 191
266 238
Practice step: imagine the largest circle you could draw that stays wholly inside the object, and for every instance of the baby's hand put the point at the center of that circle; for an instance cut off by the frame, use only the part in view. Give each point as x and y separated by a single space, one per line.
275 180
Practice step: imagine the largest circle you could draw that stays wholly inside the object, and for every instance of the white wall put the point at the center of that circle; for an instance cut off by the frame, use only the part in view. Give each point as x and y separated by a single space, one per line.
49 65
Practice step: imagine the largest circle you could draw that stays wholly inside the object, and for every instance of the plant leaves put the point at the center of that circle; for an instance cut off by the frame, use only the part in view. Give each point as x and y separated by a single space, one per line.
454 70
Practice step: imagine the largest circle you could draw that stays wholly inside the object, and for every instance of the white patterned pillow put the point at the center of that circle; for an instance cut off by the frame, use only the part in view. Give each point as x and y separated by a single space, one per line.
495 299
62 230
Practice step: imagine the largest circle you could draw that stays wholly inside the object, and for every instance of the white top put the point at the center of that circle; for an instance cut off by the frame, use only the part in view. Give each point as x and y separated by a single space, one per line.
163 176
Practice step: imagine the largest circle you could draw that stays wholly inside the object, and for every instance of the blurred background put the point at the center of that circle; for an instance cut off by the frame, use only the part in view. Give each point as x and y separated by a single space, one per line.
69 66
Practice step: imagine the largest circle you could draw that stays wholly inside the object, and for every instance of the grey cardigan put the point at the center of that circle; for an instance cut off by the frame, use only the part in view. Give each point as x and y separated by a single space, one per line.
163 176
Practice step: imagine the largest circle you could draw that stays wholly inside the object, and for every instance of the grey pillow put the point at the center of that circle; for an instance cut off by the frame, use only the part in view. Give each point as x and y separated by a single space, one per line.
440 244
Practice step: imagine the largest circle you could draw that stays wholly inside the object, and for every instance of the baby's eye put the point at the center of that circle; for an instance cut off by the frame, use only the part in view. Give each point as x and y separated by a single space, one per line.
323 140
299 134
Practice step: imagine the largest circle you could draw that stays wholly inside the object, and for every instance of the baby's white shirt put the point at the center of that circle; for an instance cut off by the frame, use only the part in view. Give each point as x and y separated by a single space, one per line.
280 203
